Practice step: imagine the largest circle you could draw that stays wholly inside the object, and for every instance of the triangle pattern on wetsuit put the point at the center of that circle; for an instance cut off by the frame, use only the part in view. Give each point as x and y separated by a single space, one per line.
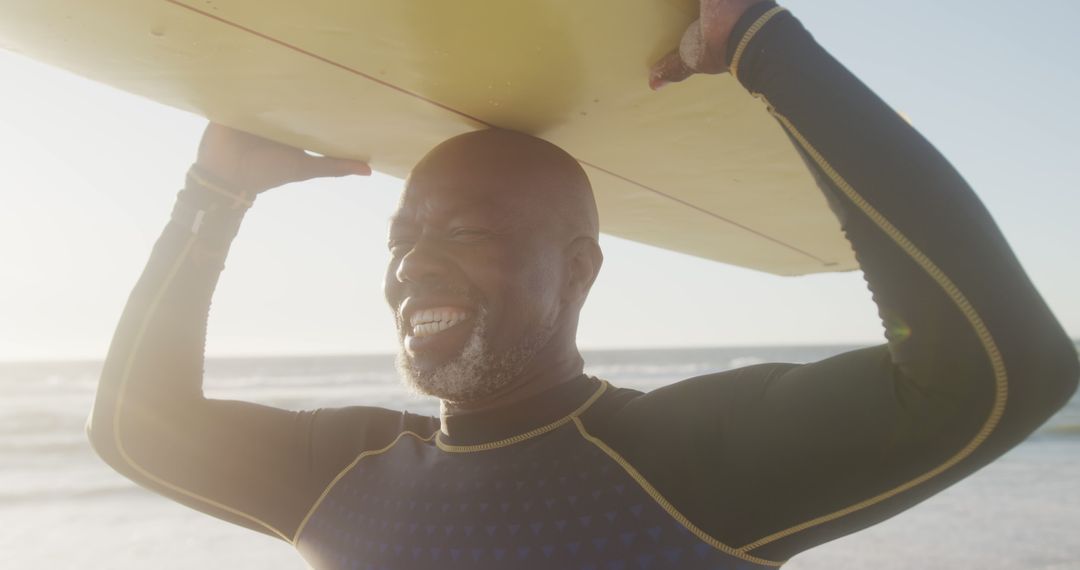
553 501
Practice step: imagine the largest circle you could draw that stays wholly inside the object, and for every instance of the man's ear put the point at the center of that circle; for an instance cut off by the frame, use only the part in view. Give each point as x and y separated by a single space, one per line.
583 258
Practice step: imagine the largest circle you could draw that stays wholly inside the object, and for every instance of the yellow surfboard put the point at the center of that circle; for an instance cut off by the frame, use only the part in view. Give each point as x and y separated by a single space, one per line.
699 167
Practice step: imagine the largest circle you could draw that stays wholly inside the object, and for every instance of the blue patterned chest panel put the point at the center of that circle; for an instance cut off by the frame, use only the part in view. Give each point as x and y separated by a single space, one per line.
555 501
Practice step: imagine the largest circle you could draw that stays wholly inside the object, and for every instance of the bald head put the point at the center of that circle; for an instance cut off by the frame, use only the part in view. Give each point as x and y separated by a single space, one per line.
535 178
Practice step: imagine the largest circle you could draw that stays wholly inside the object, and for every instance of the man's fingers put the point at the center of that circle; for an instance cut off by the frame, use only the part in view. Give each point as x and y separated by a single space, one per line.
670 69
692 56
326 166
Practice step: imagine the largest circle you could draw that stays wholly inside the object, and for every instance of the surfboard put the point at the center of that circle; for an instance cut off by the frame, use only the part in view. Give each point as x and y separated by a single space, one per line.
698 167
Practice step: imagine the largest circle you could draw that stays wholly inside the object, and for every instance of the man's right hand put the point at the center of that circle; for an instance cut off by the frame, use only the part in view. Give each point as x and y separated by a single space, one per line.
250 164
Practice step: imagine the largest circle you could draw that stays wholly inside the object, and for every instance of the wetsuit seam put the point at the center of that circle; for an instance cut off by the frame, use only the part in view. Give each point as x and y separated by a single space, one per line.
345 471
752 31
955 295
664 503
129 365
527 435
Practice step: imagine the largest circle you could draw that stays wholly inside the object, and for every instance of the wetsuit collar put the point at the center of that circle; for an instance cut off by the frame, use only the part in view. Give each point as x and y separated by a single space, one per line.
544 408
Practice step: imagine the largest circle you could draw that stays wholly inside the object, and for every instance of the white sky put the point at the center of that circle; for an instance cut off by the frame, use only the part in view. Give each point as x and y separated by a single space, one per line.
88 175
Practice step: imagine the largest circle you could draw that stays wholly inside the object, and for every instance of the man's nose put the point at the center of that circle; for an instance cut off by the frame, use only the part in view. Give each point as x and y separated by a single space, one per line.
423 263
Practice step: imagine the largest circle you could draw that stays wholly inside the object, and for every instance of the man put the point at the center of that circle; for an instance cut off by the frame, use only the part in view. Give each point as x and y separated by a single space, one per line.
535 465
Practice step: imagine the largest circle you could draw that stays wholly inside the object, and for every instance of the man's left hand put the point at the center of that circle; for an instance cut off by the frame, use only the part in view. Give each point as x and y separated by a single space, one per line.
703 48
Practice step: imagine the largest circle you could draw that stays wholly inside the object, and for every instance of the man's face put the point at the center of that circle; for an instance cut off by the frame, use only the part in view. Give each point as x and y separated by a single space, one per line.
473 279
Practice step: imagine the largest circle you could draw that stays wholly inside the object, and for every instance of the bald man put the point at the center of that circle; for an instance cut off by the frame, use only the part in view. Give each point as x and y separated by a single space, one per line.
533 464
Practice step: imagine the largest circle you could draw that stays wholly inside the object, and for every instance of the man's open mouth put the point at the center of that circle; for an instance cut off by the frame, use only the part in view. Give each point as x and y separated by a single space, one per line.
429 322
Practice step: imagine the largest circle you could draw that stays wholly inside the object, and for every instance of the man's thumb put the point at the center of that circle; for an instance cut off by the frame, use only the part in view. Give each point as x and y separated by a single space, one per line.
326 166
669 69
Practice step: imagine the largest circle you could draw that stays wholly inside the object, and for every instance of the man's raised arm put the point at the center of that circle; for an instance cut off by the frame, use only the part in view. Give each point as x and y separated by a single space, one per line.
787 456
252 465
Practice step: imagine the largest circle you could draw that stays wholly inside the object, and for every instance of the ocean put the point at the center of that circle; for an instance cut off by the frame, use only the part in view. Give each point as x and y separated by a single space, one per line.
61 507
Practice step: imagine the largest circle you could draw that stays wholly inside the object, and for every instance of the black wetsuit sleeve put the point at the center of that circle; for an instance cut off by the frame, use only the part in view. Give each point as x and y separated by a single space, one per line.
253 465
775 459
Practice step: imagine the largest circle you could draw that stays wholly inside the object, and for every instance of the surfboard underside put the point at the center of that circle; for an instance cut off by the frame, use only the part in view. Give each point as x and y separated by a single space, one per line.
699 167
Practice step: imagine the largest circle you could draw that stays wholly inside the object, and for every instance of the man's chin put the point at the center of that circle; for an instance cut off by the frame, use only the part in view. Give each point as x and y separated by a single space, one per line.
420 365
472 373
459 375
420 369
457 380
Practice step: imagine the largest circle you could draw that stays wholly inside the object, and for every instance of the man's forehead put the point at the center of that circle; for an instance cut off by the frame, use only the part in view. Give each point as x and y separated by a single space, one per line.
417 207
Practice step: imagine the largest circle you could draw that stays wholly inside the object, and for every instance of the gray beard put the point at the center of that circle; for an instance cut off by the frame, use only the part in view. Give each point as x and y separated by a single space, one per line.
476 373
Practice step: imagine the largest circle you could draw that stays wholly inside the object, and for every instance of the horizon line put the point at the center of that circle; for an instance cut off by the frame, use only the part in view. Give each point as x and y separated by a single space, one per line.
298 355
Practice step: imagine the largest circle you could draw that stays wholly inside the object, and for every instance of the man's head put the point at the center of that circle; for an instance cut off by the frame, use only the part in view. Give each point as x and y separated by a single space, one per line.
493 250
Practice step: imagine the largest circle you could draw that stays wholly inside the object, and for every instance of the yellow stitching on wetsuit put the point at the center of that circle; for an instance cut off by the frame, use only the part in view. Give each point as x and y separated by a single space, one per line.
996 363
129 365
296 538
663 502
238 199
527 435
749 35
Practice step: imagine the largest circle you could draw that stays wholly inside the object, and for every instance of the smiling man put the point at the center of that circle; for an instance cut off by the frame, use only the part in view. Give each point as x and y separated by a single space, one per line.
533 464
493 250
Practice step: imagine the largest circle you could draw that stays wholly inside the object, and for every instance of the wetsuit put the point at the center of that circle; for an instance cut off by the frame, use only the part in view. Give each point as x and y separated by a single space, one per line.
739 469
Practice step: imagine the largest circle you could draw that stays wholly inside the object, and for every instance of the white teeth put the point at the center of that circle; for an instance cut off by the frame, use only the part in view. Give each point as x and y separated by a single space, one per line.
431 321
